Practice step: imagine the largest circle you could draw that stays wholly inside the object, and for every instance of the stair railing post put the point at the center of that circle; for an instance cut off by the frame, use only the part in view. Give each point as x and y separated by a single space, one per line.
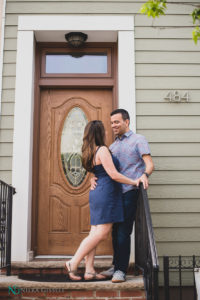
166 276
156 287
8 234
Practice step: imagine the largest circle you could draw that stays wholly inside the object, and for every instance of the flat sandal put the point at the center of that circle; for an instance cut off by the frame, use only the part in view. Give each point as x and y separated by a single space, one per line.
70 271
94 276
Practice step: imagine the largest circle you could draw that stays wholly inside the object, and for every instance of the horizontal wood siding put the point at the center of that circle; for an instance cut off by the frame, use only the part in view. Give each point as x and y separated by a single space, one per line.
166 60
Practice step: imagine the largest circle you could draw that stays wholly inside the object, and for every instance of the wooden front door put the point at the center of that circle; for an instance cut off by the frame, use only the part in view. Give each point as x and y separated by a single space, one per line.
63 206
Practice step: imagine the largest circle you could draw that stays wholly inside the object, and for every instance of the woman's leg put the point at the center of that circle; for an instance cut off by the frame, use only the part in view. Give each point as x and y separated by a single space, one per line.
90 243
89 265
89 258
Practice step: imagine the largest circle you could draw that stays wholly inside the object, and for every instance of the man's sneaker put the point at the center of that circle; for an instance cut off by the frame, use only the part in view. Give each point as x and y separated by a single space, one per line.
108 273
119 276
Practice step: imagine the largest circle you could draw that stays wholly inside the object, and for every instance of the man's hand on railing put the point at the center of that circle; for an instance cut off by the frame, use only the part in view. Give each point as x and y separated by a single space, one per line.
145 181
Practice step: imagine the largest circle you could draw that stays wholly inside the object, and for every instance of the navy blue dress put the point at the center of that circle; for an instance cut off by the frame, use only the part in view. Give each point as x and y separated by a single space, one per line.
106 200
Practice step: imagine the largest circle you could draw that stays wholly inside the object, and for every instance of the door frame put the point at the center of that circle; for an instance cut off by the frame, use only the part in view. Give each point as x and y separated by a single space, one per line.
64 82
52 28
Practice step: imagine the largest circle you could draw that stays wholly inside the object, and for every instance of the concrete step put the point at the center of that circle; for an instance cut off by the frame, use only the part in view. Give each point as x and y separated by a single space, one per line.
56 266
11 287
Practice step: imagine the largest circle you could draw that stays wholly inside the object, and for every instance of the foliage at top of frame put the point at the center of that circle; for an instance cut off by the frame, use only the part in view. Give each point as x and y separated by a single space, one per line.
156 8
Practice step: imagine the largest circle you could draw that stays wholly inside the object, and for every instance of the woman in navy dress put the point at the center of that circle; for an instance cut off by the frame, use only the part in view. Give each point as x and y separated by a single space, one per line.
105 201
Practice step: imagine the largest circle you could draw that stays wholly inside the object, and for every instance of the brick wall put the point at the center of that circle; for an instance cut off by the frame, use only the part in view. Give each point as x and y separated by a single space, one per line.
77 295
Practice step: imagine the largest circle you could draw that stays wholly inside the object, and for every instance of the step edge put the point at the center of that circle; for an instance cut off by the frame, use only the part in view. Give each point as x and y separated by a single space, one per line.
136 283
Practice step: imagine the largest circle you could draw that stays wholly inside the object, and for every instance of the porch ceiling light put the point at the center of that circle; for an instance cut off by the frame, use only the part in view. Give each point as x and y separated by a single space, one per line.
76 39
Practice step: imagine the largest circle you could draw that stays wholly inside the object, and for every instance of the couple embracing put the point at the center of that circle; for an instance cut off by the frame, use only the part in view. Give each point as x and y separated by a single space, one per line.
113 197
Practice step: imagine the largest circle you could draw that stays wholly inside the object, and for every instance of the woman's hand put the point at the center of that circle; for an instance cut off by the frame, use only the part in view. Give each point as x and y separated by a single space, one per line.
93 183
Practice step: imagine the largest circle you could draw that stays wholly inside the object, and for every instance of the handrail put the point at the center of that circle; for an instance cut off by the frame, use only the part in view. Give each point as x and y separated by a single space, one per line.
146 257
150 227
6 195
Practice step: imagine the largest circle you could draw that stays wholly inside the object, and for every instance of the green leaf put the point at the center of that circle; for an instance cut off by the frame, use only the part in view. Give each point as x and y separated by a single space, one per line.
153 8
195 15
196 34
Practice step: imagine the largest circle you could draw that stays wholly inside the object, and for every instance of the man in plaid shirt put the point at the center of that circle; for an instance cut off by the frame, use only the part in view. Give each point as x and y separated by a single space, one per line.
133 153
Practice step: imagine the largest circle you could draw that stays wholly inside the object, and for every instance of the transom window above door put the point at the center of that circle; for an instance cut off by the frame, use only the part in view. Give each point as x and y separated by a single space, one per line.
67 62
80 63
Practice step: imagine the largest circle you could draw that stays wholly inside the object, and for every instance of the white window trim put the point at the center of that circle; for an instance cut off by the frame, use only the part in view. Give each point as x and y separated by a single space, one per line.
28 28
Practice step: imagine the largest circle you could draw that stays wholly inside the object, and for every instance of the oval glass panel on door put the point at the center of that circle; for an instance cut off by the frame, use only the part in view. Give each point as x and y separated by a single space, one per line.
71 143
63 205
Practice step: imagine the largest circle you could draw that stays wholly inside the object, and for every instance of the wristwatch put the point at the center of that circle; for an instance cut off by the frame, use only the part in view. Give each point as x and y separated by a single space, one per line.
146 174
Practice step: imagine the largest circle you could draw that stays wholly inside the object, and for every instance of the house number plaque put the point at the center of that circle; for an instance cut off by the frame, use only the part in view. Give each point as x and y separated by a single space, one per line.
177 96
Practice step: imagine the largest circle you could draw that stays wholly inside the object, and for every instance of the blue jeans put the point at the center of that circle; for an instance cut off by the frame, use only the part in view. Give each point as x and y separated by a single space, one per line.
121 232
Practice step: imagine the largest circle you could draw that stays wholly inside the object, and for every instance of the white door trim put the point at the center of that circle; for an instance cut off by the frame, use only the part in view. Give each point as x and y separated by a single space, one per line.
29 28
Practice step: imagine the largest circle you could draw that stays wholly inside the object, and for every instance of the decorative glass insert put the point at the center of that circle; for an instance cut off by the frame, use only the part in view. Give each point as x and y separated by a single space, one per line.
71 143
76 63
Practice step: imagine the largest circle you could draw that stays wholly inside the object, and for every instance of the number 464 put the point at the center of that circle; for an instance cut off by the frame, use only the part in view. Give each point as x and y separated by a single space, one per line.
177 97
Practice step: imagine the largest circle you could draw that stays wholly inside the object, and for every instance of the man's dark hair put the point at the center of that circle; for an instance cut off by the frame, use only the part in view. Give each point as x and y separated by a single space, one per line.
123 112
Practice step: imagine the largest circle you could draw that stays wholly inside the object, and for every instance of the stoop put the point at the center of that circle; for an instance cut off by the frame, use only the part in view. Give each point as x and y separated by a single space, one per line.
11 287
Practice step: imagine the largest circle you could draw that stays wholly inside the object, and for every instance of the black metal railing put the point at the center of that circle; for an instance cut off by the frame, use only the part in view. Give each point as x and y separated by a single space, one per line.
179 277
146 258
6 195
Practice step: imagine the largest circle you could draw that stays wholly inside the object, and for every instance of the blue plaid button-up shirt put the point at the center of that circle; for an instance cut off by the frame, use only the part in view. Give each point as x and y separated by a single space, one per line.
129 149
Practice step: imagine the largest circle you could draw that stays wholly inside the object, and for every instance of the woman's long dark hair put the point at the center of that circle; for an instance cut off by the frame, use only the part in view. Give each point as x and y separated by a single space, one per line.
94 135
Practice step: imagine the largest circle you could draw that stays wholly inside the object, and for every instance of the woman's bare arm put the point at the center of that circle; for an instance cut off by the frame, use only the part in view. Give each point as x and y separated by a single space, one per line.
105 158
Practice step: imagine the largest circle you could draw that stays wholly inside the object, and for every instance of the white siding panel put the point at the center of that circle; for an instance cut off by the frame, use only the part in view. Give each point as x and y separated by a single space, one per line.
6 176
177 163
186 191
181 70
10 56
87 7
10 31
176 220
166 45
12 19
166 57
178 248
10 44
168 122
177 234
6 122
6 136
6 149
9 70
8 95
165 21
163 33
175 205
170 83
8 83
7 109
6 163
168 109
175 177
173 149
171 135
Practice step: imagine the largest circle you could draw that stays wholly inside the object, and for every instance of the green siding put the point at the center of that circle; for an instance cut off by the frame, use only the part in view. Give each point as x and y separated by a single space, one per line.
166 59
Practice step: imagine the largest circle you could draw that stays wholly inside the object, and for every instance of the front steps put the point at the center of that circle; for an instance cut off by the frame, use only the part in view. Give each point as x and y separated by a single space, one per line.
54 266
132 289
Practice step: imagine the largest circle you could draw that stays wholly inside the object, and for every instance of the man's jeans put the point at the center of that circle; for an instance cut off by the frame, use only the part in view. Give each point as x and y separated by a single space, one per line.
121 232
